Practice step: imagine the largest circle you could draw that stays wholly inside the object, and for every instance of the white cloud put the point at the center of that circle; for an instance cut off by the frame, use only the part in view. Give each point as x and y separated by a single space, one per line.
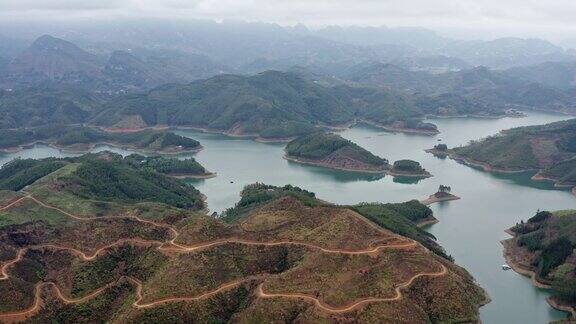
527 16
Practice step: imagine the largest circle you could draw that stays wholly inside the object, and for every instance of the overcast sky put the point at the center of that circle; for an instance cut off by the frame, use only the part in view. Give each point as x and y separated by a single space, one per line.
553 19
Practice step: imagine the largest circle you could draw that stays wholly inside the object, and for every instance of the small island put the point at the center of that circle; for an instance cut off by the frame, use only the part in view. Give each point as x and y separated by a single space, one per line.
443 194
83 139
332 151
408 168
439 150
542 249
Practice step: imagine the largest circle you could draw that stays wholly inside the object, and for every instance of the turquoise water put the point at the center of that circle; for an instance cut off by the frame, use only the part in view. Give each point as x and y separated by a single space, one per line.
470 229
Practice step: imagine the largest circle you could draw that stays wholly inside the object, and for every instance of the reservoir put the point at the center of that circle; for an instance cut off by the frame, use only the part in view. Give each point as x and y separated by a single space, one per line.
470 229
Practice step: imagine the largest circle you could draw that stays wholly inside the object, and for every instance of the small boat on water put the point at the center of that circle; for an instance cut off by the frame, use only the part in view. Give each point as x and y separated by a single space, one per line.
506 267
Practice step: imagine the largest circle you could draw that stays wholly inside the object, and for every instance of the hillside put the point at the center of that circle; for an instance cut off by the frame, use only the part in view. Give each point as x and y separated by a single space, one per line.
107 177
33 107
291 257
57 62
333 151
83 139
542 248
50 58
234 105
546 148
488 92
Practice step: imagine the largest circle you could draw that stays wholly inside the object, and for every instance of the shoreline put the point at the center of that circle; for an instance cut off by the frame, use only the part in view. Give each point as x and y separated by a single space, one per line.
91 146
429 221
473 163
520 269
539 177
400 130
409 175
209 175
319 164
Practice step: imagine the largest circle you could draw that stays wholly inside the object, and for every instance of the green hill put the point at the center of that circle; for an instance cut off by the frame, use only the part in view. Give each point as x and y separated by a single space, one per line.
107 176
33 107
271 102
333 151
547 148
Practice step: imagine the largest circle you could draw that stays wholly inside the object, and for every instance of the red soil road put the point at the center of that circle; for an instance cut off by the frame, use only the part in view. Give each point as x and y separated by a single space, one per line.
343 309
15 202
18 316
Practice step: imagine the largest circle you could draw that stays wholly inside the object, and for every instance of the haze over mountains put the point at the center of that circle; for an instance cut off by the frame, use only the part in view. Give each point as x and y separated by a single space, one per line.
216 76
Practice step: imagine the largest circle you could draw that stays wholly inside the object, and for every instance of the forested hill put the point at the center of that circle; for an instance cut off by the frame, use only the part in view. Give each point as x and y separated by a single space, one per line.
550 148
270 105
257 104
109 177
333 151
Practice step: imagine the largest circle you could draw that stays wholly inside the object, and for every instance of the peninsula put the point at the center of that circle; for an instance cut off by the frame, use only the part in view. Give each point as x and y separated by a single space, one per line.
548 150
542 249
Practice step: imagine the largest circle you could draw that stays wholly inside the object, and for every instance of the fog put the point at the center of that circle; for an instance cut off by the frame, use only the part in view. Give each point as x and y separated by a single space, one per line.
487 19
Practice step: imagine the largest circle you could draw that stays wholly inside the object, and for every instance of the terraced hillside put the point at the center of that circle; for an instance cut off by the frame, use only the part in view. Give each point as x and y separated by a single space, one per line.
280 255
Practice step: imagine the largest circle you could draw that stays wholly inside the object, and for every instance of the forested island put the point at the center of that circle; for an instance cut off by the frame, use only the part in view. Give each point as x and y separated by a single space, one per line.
83 139
330 150
543 249
408 168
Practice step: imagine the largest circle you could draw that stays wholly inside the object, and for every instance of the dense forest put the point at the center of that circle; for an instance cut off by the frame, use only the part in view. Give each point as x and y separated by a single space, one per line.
108 176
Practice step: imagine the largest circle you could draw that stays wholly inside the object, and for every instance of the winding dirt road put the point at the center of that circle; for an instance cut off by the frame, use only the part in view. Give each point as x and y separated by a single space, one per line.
343 309
172 246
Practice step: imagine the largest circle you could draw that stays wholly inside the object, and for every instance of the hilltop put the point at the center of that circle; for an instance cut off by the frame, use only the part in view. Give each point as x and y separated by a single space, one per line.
548 149
85 256
542 248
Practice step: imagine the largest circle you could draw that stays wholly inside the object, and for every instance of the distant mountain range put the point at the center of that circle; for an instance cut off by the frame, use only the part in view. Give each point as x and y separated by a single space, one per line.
55 81
51 60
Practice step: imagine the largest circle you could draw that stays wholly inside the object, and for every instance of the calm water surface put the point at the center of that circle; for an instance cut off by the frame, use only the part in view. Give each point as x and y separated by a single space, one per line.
470 229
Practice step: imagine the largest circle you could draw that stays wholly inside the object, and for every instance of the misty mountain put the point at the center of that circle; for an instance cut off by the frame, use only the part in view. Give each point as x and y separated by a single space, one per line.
45 106
503 53
492 88
51 60
553 74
